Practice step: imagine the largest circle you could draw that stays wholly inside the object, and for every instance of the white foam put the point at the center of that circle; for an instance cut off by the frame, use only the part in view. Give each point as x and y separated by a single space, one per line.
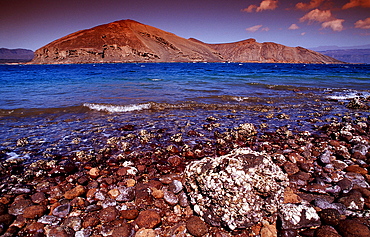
117 108
15 156
348 96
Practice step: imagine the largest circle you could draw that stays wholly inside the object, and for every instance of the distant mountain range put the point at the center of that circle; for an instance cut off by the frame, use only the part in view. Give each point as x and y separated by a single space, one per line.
131 41
15 55
350 54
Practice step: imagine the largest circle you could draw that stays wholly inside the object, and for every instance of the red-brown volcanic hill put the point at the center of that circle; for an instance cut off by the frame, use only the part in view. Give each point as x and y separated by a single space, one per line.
251 51
131 41
124 41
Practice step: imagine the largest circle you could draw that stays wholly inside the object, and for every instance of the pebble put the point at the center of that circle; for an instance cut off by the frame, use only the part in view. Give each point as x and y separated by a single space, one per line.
62 210
34 211
146 233
148 219
353 228
196 226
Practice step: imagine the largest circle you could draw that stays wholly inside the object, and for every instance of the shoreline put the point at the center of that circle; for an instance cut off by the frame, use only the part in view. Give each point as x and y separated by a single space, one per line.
125 186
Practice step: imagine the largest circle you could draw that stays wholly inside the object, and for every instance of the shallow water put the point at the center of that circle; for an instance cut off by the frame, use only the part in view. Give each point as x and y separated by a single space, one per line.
62 109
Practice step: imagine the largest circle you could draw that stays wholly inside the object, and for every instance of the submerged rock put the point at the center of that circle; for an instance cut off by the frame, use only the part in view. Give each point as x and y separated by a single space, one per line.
236 190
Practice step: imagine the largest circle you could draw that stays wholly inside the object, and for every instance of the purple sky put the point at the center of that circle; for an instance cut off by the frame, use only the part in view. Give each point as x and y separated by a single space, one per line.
32 24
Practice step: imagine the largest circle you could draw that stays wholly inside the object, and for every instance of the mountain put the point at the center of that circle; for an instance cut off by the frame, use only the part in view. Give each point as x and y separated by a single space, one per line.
350 55
251 51
131 41
15 55
334 47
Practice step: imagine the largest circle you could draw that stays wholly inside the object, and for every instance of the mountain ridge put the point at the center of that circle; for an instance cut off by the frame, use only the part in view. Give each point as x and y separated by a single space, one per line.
131 41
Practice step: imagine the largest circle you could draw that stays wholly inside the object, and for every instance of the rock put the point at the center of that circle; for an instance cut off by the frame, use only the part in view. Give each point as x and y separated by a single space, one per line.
353 200
326 231
146 233
175 186
356 103
34 211
183 199
62 210
73 222
78 191
126 194
129 214
38 197
236 190
353 228
34 229
158 194
108 214
196 226
90 221
296 216
122 231
268 230
49 220
58 231
148 219
6 219
356 169
18 206
330 217
170 198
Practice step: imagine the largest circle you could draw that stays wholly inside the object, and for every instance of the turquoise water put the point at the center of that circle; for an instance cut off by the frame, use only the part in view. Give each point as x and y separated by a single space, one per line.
49 105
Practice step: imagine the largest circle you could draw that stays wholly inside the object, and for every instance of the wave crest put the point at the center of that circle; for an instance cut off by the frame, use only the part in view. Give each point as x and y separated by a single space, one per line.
117 108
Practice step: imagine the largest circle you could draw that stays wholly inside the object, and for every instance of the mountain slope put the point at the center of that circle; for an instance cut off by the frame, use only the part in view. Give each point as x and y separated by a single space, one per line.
251 51
123 41
15 55
131 41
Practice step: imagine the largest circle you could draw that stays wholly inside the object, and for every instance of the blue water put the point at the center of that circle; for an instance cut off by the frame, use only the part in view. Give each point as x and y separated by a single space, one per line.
57 86
50 105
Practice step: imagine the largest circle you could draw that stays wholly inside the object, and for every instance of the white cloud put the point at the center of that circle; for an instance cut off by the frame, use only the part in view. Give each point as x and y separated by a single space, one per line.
317 15
303 33
265 29
254 28
357 3
293 27
363 24
308 6
264 5
335 25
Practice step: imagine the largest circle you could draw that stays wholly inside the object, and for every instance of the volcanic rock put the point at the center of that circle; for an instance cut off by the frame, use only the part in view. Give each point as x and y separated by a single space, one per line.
131 41
236 190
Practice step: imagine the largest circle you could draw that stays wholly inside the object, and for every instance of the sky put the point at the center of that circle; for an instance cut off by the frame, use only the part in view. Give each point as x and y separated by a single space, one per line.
32 24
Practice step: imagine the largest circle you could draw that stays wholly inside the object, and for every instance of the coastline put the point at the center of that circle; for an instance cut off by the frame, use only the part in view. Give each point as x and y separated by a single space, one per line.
128 184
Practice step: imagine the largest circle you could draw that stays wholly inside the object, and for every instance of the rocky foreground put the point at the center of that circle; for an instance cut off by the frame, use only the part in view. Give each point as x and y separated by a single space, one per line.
242 182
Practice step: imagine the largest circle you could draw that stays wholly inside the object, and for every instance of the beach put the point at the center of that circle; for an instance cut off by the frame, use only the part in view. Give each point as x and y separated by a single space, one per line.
117 150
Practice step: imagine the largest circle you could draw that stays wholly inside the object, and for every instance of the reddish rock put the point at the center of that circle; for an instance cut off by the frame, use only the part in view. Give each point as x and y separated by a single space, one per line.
330 217
353 228
290 168
35 211
108 214
148 219
196 226
356 169
129 214
75 192
326 231
122 231
38 197
18 206
34 228
57 231
90 221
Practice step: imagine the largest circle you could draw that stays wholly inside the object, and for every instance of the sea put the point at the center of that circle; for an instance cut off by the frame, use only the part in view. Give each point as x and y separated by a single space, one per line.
49 111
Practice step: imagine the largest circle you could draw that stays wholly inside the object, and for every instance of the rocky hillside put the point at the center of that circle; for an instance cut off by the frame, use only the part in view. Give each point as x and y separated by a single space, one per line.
251 51
15 55
130 41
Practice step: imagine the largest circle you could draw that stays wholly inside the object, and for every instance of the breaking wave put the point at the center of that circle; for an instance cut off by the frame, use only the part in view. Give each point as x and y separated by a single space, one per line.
117 108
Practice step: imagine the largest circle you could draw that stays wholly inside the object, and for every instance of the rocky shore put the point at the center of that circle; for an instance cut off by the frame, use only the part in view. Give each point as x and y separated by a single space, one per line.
245 181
